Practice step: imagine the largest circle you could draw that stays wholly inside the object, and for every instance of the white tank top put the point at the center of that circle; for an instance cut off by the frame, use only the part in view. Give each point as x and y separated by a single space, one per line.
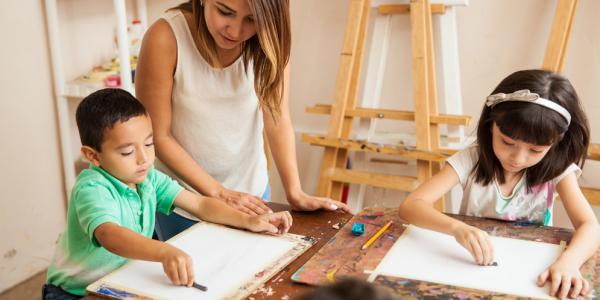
216 116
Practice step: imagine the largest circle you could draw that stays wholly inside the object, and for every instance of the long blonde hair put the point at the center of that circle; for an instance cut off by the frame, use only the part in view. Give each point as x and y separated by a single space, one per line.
268 50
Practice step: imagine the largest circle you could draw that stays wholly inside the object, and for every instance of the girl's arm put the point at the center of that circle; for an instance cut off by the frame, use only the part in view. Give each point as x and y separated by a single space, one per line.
418 209
280 136
154 84
564 274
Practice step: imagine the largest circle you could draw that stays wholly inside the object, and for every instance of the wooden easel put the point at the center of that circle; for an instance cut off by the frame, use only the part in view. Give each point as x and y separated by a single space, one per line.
337 142
554 60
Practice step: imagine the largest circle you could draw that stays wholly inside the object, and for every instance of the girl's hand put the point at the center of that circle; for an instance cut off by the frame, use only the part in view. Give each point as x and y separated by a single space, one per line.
243 202
305 202
564 276
476 241
274 223
177 265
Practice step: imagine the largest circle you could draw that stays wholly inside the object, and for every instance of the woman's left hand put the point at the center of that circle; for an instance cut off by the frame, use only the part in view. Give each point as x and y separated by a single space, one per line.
564 276
305 202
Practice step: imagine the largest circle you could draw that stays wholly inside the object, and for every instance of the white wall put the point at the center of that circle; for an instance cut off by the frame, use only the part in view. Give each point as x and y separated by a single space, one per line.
32 206
495 38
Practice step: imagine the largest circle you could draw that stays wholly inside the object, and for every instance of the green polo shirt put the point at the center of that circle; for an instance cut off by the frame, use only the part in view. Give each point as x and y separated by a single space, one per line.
98 198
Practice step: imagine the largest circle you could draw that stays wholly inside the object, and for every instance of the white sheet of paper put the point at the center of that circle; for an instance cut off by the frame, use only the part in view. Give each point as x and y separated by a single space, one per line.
224 259
432 256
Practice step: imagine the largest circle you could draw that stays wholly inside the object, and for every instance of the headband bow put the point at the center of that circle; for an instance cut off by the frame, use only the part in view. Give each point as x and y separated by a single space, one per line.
527 96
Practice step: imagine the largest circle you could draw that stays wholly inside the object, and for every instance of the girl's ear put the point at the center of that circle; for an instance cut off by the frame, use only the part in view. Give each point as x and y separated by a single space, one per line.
91 155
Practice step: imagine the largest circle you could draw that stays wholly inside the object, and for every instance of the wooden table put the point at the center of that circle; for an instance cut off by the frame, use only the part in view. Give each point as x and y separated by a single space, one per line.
317 224
343 263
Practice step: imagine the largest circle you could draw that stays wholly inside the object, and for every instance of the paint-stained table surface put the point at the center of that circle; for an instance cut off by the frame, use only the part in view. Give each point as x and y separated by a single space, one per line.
317 224
334 260
320 225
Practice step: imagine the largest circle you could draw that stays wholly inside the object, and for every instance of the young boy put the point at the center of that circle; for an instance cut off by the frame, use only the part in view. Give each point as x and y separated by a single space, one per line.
113 203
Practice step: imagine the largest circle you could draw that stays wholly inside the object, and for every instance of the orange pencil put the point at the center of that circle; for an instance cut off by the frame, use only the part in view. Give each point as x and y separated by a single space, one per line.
376 235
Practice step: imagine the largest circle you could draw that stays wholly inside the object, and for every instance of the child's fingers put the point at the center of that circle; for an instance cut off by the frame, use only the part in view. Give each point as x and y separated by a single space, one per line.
288 216
577 286
586 286
182 270
287 222
469 248
485 249
491 247
169 272
280 221
541 280
476 250
565 286
175 273
189 267
554 284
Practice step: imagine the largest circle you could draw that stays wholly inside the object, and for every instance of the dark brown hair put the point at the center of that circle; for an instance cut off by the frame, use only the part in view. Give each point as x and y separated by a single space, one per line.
268 50
534 124
101 110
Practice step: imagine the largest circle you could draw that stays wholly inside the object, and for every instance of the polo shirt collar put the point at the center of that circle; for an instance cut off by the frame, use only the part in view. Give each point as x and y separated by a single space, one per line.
121 187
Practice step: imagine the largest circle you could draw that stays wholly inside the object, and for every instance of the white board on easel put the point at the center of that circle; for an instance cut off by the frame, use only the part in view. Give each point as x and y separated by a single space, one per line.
231 263
427 255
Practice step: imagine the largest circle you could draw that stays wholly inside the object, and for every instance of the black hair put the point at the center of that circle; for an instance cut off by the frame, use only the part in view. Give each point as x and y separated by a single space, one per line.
534 124
348 289
101 110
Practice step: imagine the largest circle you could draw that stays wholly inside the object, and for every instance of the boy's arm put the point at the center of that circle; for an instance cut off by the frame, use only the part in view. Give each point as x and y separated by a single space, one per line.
215 211
127 243
418 209
584 243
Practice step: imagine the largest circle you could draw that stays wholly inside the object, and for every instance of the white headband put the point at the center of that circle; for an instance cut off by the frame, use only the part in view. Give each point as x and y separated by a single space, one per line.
526 96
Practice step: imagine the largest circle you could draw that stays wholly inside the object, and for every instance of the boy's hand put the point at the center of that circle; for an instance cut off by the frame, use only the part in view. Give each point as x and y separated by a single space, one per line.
177 265
564 276
476 241
274 223
243 202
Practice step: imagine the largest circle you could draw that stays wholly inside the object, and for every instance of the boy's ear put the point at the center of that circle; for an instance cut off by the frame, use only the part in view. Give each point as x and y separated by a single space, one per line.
91 155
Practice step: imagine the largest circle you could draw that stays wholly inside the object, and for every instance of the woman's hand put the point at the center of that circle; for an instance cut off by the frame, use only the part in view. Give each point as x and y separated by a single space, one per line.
564 276
304 202
476 241
273 223
243 202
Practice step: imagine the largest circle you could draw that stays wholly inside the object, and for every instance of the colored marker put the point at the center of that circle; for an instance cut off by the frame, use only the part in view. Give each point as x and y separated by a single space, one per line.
376 235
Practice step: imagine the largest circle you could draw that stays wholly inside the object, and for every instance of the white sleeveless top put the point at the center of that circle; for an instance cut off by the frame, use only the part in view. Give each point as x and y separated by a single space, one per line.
216 116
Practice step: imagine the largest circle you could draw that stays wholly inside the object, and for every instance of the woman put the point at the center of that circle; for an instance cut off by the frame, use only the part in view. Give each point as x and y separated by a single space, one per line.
211 74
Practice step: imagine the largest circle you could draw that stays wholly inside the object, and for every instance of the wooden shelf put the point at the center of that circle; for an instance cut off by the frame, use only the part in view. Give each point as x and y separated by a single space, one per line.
401 183
80 88
594 152
395 9
390 114
592 195
439 155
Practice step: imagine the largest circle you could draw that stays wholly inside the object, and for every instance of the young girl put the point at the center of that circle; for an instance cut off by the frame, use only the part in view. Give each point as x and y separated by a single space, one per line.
531 137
